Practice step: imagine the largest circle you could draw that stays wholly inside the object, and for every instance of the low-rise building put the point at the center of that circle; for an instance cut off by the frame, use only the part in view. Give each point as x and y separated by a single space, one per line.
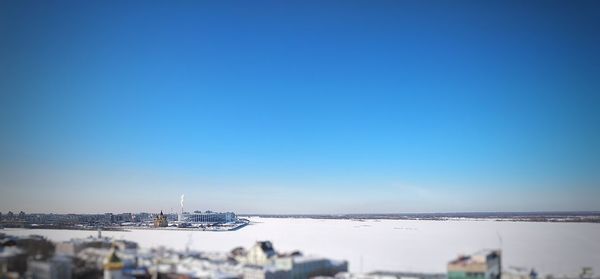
74 246
262 253
263 262
482 265
13 260
58 267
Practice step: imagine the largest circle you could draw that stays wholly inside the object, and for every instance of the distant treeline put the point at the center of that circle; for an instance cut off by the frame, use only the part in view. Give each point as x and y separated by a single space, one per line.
571 216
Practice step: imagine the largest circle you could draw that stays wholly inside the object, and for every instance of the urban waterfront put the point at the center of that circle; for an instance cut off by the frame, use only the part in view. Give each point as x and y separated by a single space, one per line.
388 245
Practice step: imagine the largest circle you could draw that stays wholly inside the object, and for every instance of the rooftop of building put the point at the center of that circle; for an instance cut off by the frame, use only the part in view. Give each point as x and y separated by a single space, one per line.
478 257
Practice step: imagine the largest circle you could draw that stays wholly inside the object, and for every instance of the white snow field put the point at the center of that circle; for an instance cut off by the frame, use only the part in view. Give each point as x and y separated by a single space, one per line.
393 245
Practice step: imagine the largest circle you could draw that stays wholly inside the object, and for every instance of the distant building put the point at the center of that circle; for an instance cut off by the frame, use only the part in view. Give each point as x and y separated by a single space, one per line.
161 220
122 218
207 217
141 217
107 218
482 265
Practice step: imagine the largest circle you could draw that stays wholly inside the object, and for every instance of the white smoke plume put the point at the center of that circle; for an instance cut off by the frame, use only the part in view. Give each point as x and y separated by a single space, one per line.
182 200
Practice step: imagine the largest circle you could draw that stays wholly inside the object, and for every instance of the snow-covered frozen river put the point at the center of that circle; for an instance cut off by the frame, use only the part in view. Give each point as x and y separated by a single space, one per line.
396 245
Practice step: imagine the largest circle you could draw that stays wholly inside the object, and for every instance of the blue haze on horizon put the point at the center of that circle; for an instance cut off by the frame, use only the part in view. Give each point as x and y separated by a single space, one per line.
300 106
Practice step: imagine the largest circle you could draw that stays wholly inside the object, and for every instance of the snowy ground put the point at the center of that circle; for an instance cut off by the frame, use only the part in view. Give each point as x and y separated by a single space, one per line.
395 245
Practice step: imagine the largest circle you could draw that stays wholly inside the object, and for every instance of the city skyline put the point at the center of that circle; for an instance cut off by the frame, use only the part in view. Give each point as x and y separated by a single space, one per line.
300 107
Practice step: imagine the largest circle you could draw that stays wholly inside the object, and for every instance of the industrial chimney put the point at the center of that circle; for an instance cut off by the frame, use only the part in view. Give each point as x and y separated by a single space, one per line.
180 215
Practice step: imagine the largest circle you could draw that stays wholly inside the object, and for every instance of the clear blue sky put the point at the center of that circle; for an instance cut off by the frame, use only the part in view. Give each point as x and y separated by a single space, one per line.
300 106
